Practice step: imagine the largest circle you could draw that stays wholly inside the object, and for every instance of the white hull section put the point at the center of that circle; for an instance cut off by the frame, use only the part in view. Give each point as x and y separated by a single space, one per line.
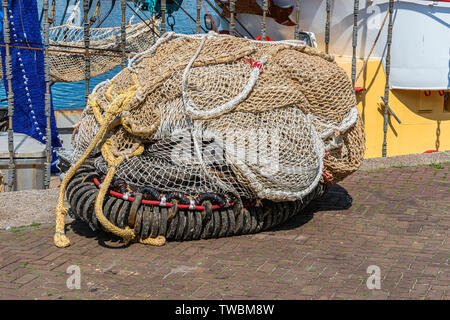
420 50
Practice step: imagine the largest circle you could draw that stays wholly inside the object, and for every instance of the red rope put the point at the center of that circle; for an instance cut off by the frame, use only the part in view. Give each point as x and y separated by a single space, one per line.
155 202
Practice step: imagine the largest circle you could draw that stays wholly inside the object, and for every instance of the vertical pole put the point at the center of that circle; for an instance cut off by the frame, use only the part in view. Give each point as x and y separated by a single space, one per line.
355 40
297 19
163 16
8 68
388 73
153 15
197 24
48 136
123 34
232 12
263 22
327 27
87 59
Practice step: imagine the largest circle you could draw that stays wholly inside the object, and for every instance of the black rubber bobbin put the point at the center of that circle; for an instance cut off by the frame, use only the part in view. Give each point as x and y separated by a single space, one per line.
245 221
139 222
238 218
172 211
198 225
190 223
181 225
122 218
164 221
134 209
207 220
82 201
155 221
89 211
115 211
231 222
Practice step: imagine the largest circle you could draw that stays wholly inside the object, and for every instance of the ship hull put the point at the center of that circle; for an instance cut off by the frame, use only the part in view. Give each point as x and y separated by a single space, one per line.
420 68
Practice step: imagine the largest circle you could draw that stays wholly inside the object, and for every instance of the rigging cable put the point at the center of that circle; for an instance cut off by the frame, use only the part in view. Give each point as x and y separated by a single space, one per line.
187 13
113 3
62 18
235 18
137 15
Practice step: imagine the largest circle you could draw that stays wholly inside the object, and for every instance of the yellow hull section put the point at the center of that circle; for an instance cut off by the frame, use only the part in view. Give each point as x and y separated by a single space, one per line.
424 116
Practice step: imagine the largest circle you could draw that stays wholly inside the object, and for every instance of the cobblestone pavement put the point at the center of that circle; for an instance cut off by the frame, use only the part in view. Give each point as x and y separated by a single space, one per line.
397 219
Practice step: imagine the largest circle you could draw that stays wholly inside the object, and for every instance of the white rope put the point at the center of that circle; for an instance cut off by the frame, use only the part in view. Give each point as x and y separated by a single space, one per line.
266 193
70 19
191 108
346 123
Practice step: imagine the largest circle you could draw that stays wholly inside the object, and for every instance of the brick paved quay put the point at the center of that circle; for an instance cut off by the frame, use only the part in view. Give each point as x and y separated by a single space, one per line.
397 219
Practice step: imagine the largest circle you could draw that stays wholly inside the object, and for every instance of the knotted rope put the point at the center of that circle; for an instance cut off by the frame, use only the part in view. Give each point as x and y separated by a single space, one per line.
107 122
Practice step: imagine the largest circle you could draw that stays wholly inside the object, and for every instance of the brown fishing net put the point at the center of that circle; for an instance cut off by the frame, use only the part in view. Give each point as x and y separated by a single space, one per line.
67 59
228 115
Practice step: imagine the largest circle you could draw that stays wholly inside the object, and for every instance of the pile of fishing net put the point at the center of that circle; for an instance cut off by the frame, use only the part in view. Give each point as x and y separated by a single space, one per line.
228 120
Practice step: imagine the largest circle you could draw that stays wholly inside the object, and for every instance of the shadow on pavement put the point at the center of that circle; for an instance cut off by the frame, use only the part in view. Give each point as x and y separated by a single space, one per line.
336 198
82 228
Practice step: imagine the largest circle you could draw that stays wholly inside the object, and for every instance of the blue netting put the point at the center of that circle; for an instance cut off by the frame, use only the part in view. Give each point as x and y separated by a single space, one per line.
28 77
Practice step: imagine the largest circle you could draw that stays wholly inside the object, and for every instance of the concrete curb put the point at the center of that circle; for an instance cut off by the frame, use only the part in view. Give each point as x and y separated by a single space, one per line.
406 160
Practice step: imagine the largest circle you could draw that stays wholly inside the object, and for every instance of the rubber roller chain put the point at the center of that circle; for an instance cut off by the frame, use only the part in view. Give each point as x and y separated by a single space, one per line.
173 223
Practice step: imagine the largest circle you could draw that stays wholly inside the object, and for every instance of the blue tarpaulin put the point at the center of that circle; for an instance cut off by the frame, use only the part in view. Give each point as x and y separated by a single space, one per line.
28 76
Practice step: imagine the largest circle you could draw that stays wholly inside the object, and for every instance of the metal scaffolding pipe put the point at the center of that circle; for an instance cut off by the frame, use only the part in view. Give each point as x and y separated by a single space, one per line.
8 67
163 16
327 27
232 13
297 19
87 59
355 40
48 131
123 34
265 7
197 23
388 73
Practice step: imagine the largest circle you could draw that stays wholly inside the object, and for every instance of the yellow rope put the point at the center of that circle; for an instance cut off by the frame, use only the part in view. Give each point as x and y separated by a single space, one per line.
106 124
60 239
158 241
2 186
126 234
